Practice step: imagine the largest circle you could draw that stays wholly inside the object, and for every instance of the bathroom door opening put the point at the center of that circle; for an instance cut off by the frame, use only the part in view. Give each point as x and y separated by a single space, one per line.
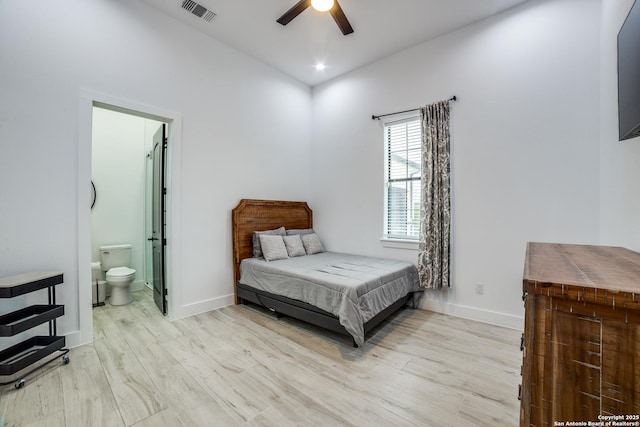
148 232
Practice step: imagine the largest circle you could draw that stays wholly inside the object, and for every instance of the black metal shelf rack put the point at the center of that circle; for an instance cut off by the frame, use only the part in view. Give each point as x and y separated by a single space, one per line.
17 358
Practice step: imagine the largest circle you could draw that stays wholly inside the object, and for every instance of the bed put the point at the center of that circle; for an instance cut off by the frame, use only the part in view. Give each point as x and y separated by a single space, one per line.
345 293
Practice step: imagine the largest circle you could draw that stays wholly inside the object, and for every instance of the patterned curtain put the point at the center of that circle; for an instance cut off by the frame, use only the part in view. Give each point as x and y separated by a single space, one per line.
435 223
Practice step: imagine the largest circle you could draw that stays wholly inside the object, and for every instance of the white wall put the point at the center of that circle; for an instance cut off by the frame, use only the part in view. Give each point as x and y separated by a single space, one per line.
619 161
245 134
120 143
525 135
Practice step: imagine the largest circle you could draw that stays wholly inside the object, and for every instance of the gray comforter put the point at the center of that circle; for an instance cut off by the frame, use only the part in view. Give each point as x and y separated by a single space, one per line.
354 288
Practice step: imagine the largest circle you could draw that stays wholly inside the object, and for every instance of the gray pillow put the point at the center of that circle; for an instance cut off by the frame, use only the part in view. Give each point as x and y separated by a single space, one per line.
294 245
300 231
257 250
273 247
311 243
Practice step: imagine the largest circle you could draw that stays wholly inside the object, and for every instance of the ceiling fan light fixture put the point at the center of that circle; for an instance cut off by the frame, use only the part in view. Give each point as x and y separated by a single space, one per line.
322 5
331 6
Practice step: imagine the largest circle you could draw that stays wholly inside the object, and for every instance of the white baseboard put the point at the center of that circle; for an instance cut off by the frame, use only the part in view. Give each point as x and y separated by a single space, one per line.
138 285
204 306
72 340
485 316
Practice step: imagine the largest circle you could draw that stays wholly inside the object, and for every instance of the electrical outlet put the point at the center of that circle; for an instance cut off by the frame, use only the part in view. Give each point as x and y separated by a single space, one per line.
479 288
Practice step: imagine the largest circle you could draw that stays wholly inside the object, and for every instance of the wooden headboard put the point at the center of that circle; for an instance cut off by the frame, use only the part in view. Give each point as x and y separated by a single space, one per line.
257 215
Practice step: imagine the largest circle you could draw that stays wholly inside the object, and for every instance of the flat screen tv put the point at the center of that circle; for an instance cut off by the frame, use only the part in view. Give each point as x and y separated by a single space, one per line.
629 75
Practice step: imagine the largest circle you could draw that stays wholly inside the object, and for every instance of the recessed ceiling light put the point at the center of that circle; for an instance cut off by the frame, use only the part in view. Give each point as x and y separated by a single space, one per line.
320 67
322 5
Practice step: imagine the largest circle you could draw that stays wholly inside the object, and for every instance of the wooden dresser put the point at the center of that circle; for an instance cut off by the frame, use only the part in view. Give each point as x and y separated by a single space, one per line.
581 343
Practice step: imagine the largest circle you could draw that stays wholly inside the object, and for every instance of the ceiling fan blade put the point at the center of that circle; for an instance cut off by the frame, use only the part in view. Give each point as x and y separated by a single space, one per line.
296 10
341 19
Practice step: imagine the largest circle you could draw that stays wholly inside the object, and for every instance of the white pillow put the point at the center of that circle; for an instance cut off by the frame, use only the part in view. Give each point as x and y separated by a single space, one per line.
311 243
273 247
257 249
294 245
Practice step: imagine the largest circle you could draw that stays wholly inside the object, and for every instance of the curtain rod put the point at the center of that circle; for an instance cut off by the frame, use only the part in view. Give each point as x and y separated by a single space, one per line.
453 98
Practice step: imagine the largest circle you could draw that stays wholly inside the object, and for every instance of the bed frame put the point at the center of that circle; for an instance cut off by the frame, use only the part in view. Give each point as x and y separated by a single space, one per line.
256 215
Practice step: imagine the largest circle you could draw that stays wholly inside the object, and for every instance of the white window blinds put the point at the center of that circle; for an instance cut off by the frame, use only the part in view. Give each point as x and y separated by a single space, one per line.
402 182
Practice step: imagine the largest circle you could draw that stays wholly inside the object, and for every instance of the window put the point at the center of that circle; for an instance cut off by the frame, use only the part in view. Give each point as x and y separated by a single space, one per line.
402 179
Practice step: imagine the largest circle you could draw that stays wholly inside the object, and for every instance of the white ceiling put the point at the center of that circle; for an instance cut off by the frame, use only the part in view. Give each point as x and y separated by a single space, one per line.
381 28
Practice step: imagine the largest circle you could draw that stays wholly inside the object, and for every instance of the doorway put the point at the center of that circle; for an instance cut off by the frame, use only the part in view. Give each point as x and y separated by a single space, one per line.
173 273
129 182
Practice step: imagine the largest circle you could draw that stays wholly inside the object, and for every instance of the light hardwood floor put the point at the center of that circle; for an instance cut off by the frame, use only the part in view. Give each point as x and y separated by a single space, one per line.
240 366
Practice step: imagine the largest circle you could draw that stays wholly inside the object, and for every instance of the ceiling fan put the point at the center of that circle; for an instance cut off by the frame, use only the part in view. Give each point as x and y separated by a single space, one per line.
331 6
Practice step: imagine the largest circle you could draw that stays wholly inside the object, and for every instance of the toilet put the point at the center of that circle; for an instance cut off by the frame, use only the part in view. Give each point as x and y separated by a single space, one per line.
115 262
